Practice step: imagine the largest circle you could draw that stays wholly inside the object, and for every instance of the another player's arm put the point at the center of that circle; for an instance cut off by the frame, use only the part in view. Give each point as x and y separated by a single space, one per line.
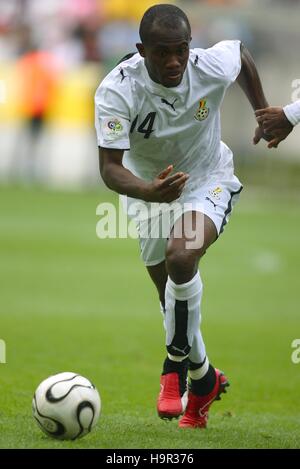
250 83
163 188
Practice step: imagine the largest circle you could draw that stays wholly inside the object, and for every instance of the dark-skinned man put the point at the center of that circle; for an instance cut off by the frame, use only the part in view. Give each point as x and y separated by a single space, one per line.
159 138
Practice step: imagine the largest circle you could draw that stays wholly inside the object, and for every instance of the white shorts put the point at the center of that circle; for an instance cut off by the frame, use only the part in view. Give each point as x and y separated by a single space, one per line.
216 200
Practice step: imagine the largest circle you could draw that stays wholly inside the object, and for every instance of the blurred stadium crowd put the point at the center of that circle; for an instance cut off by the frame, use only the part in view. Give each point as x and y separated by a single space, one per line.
54 53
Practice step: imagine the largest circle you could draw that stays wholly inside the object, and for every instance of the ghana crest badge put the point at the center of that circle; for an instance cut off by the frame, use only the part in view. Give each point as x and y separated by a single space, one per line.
203 110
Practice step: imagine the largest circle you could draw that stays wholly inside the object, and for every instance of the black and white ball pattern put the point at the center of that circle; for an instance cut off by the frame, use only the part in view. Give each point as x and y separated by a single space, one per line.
202 113
66 406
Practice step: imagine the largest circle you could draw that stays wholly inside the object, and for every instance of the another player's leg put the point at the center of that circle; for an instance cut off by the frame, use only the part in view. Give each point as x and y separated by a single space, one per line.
182 304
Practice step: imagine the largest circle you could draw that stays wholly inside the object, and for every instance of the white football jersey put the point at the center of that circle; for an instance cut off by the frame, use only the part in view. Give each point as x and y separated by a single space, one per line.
159 126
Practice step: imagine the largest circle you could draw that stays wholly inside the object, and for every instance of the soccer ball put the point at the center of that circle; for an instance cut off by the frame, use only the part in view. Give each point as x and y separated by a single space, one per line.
66 406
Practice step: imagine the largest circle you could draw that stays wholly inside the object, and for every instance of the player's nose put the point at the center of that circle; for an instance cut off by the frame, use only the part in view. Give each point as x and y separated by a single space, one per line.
173 63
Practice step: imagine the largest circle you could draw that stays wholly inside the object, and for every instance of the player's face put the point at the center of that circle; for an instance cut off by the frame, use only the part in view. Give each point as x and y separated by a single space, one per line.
166 58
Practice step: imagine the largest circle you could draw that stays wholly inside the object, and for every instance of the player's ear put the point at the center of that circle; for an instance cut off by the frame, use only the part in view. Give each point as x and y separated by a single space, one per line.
140 47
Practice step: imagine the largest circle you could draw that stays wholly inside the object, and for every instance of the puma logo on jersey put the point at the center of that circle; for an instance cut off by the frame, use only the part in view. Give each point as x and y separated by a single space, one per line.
203 111
164 101
122 74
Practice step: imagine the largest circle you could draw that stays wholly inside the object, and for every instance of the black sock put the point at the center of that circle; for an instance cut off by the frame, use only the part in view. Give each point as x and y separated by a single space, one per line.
178 367
170 366
205 385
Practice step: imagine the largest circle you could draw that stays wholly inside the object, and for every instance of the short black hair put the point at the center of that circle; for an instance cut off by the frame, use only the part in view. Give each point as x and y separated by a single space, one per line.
164 15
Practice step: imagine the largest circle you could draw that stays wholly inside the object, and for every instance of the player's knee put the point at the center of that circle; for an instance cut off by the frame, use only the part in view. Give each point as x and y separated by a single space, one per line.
181 264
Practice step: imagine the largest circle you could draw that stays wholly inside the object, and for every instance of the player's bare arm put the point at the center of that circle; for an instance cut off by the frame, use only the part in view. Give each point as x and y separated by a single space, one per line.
250 83
164 188
274 122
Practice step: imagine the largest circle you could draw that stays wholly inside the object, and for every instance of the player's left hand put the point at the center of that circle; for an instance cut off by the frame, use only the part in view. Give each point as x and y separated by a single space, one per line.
260 134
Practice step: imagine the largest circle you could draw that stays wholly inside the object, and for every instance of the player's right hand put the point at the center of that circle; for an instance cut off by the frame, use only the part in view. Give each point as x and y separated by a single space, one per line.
166 188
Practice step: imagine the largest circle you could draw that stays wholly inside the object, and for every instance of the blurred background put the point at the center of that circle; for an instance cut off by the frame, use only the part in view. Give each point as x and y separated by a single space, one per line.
54 54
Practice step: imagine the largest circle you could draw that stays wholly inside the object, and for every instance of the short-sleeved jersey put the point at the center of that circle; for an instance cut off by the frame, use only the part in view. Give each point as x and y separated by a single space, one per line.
159 126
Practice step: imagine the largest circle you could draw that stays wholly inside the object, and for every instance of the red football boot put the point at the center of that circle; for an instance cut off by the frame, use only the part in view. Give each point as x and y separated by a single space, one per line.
172 399
196 414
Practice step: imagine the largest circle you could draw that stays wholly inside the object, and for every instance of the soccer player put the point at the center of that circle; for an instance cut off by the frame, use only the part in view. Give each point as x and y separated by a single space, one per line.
279 121
159 138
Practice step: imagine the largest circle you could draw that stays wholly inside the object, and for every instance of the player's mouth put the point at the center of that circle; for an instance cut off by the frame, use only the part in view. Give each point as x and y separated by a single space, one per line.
174 76
173 79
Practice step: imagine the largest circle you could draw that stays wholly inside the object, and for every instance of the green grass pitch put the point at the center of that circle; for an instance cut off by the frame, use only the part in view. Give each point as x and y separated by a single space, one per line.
72 302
